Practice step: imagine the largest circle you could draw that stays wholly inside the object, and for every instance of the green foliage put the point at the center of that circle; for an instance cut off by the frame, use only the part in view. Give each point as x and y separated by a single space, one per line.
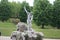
44 12
4 1
15 9
41 12
56 14
4 11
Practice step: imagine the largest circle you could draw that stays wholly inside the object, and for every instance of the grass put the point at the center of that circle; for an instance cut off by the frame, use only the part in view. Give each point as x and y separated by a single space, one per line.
49 32
6 29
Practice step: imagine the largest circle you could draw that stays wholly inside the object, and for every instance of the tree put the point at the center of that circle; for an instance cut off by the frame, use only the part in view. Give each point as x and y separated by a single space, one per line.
56 14
40 11
4 10
4 1
15 9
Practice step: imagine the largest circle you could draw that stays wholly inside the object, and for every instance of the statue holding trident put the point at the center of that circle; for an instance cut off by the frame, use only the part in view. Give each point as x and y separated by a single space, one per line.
29 19
31 32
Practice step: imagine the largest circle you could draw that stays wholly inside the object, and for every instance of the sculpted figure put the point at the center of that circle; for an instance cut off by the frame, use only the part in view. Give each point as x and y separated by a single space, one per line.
29 19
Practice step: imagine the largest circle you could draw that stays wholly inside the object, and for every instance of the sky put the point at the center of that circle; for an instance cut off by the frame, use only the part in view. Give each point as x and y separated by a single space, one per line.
29 1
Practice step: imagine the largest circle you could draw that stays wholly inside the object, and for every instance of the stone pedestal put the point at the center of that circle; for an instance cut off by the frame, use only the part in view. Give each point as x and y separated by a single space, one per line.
16 35
39 37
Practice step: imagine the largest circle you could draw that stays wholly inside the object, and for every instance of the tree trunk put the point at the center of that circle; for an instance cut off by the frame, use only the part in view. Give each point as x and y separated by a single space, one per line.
58 27
0 33
42 26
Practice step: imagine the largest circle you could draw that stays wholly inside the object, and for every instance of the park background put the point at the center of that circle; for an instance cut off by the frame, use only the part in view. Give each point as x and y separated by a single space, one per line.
46 16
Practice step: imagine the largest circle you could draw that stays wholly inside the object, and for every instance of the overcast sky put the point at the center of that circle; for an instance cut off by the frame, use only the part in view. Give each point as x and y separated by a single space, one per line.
29 1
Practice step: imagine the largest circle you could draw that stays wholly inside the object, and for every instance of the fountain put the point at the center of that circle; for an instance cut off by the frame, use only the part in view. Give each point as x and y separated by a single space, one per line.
25 31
